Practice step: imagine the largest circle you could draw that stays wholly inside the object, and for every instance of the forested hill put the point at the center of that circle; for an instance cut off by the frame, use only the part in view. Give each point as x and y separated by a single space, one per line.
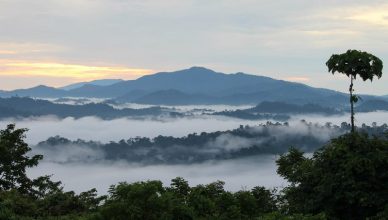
17 107
270 138
279 111
27 107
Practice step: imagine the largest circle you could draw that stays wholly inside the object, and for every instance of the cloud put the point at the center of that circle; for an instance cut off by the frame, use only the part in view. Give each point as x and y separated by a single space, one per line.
247 172
370 15
297 79
7 52
24 48
52 69
91 128
238 174
26 68
189 149
228 142
273 38
70 154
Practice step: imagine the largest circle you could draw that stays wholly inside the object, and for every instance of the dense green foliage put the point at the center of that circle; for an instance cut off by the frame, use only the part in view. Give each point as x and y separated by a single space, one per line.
355 62
14 161
150 200
25 198
346 179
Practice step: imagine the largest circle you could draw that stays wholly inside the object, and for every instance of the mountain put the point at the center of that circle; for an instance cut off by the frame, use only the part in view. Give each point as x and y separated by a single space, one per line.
7 112
372 105
85 91
100 82
38 91
131 96
174 97
198 85
208 82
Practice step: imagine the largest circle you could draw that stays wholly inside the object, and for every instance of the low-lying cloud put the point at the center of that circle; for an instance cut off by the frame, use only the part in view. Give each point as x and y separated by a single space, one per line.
92 128
238 174
269 138
76 166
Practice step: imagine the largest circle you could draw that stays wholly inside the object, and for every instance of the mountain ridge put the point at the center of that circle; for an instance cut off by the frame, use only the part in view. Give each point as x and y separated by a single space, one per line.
99 82
196 85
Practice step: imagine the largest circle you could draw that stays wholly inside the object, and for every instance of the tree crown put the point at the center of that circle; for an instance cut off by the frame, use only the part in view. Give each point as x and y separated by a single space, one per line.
355 62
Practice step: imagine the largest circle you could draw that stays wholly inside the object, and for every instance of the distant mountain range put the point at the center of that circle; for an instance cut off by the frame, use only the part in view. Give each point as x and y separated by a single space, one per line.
372 105
196 85
101 82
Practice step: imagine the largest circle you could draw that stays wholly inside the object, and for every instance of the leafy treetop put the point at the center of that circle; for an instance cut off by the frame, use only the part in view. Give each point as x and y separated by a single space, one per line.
355 62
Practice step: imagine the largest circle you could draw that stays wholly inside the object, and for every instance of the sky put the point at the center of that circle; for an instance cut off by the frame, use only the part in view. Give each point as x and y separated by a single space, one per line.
56 42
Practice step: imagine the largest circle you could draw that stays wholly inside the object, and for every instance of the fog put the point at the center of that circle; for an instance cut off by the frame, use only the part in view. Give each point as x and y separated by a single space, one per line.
179 108
261 139
237 174
186 108
91 128
74 100
368 118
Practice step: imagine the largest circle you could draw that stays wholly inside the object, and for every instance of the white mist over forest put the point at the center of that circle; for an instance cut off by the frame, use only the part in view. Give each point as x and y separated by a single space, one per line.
237 173
92 128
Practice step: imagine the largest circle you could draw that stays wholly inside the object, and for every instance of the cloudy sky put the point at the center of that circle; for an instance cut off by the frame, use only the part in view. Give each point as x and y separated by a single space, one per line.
56 42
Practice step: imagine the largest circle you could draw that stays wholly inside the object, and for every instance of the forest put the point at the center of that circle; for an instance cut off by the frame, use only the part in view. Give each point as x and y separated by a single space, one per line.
345 179
245 141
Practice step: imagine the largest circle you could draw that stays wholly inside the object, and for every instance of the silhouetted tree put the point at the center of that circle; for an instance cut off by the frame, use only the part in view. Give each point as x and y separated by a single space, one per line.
14 160
24 198
353 63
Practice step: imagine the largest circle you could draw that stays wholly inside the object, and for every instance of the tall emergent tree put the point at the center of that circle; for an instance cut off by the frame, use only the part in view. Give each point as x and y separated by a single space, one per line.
353 63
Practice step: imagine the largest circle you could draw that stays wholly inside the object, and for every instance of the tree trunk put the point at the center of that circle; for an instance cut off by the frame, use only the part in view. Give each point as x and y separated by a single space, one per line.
351 103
